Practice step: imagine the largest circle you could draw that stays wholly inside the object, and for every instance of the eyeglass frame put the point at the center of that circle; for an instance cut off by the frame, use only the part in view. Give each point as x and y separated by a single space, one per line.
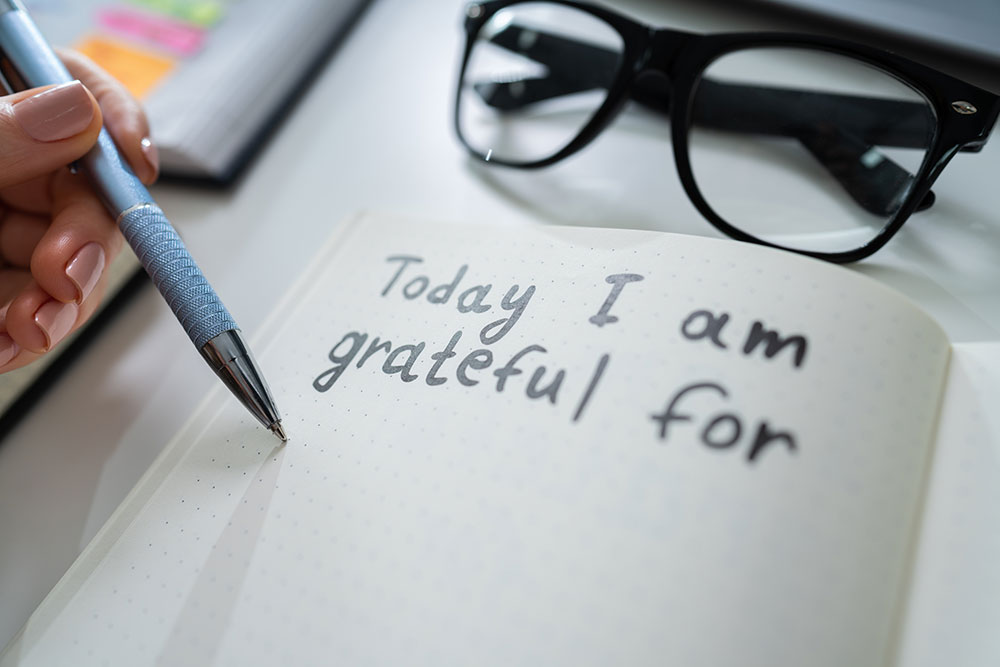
965 114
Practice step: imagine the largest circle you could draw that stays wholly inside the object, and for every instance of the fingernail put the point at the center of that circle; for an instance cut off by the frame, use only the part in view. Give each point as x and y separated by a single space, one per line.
55 319
57 113
151 154
85 269
8 349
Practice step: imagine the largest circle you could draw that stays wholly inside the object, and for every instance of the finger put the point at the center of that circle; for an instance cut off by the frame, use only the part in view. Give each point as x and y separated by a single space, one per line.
12 282
123 116
19 234
35 323
43 129
30 196
81 241
12 355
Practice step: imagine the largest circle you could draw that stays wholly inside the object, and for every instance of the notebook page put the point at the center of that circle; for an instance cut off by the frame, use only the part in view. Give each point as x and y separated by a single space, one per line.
608 465
954 612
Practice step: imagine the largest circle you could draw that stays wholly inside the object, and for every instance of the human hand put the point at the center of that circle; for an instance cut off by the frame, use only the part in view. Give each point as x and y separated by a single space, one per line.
56 238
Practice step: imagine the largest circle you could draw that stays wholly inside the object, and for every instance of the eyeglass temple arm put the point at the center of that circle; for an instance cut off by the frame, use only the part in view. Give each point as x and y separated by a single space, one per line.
841 131
844 145
869 177
577 66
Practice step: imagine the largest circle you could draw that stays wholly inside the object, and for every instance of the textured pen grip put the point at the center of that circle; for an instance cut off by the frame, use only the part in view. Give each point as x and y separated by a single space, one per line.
162 253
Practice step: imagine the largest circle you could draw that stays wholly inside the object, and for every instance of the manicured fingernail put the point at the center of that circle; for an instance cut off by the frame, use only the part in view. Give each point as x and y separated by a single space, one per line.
55 319
57 113
8 349
151 154
85 269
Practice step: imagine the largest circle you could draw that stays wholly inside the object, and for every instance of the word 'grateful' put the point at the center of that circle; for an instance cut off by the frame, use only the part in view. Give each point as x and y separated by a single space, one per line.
401 359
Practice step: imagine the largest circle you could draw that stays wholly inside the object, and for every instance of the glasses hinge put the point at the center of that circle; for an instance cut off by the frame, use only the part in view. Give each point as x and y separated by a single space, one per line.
963 107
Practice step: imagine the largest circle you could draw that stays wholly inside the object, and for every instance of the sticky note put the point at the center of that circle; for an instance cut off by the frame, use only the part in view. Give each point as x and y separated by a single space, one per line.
138 70
169 34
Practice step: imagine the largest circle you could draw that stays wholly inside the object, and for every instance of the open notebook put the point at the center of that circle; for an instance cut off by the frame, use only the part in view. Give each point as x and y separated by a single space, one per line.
547 445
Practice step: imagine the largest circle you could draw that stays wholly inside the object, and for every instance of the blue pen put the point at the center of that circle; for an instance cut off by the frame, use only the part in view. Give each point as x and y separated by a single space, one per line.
30 62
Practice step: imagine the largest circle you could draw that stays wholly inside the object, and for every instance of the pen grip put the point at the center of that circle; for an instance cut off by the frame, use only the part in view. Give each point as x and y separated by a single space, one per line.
175 274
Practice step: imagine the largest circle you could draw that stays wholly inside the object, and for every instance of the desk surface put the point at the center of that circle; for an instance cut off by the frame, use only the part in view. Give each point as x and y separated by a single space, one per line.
374 132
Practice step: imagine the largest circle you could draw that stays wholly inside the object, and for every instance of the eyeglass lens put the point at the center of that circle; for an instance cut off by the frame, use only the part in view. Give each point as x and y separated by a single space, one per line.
846 138
527 92
806 149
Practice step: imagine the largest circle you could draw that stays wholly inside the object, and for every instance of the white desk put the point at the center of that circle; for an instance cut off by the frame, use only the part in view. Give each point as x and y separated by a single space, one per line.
375 132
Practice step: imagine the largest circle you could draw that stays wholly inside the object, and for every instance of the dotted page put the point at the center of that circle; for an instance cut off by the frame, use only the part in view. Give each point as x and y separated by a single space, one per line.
533 446
954 611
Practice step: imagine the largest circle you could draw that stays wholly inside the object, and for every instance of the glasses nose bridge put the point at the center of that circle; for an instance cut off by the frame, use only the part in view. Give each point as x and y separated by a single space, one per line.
662 47
652 81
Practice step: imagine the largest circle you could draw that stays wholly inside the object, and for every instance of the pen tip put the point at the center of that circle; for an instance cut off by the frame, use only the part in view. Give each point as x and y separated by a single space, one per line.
278 431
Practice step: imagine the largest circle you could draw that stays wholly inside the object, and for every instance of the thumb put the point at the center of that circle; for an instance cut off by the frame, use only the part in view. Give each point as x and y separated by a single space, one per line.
43 129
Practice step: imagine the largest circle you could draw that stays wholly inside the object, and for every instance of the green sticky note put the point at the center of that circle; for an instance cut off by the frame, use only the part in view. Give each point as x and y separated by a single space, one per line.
205 14
202 13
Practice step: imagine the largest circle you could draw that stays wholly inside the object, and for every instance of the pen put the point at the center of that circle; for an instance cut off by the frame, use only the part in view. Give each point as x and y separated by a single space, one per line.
27 61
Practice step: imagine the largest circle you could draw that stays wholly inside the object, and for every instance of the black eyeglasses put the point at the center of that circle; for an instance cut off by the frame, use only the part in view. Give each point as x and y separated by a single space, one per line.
814 145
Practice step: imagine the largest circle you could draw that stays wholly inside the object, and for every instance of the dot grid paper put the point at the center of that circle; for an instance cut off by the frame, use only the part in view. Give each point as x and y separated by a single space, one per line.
455 524
954 604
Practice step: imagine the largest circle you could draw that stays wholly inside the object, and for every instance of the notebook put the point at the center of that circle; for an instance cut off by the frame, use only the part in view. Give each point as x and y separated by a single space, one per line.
546 445
213 75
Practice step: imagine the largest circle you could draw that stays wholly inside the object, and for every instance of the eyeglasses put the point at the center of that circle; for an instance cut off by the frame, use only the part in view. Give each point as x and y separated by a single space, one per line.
814 145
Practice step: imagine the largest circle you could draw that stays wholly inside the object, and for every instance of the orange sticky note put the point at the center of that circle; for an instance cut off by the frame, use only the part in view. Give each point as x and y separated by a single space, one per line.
138 70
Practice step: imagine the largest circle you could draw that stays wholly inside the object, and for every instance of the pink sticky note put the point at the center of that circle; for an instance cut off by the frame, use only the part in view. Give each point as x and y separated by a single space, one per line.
180 38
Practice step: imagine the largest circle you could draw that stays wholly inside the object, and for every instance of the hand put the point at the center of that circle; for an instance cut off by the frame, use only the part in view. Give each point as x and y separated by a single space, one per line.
56 238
